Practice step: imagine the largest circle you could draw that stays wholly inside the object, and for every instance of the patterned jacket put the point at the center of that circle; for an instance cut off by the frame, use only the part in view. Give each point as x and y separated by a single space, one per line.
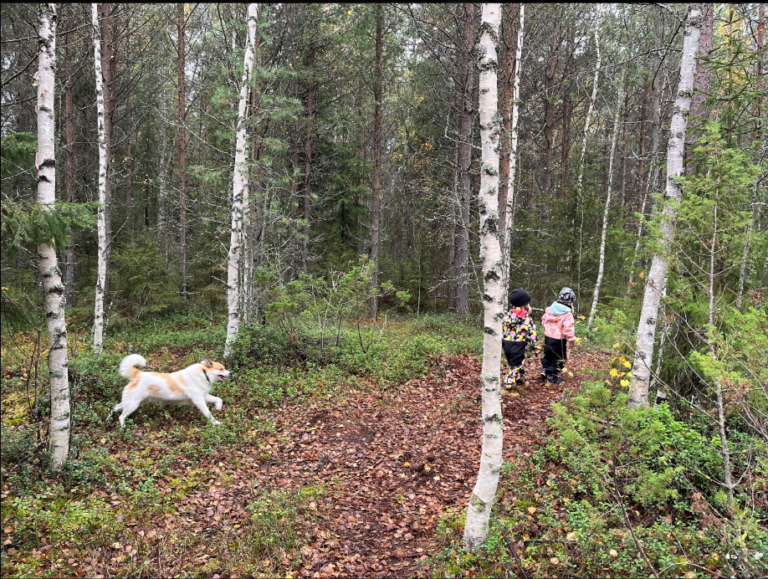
518 326
558 324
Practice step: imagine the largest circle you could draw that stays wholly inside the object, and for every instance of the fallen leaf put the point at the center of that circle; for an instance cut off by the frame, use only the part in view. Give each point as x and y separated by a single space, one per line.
613 553
531 509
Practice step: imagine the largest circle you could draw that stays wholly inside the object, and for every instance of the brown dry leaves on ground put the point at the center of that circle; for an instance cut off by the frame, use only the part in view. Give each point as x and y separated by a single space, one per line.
393 461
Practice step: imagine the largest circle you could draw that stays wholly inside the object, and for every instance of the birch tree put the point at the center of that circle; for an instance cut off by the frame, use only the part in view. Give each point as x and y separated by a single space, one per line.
47 262
601 267
240 187
580 179
654 286
479 509
101 221
509 223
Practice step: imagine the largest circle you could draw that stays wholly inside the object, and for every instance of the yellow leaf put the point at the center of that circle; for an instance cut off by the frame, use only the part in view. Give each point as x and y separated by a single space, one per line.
531 510
349 12
570 374
582 318
614 372
566 500
624 382
570 537
616 345
629 374
642 275
627 365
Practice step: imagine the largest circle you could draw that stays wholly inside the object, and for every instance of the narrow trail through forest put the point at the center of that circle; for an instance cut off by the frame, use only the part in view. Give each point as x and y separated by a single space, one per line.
392 463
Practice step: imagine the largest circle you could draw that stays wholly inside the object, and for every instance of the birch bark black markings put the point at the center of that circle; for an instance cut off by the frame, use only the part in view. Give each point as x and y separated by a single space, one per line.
654 286
465 164
601 266
240 187
47 262
479 509
102 217
508 226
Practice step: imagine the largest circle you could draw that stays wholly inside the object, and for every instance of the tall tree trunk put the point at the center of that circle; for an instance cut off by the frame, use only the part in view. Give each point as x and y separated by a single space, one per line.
69 275
465 164
182 94
107 58
455 213
549 110
308 155
508 226
128 167
703 78
566 146
760 152
479 509
47 262
240 187
376 185
624 151
653 169
162 192
654 287
580 180
507 84
103 214
601 266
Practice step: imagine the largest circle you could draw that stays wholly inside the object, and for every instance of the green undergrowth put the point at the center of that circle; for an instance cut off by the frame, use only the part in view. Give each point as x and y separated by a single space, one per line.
612 492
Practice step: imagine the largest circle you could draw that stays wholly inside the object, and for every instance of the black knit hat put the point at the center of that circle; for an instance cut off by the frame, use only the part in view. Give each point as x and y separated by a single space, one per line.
519 298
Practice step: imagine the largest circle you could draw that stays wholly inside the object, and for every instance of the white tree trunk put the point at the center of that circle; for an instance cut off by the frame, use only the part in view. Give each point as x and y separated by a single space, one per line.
580 179
601 267
47 262
654 286
513 150
479 509
101 268
240 187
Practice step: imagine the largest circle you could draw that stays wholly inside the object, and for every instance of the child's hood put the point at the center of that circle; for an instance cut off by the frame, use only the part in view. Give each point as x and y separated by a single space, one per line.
558 309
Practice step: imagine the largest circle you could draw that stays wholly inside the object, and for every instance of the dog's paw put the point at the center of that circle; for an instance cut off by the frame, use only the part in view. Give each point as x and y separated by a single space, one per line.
218 405
215 422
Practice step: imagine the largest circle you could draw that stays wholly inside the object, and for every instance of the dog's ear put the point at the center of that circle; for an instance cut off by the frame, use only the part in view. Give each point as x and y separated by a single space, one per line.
207 363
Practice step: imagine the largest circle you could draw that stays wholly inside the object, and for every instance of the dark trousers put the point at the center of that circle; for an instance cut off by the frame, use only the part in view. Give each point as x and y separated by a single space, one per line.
555 355
515 353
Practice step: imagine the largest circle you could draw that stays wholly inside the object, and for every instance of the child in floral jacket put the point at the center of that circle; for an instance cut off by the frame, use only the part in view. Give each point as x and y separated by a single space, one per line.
518 330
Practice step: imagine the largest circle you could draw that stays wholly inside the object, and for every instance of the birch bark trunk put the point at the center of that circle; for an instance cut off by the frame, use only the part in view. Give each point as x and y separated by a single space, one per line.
376 184
654 286
240 187
601 267
101 221
479 509
465 163
509 224
47 262
580 179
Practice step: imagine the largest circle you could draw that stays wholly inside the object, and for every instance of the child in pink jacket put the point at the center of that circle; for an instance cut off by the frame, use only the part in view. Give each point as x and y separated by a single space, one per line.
559 335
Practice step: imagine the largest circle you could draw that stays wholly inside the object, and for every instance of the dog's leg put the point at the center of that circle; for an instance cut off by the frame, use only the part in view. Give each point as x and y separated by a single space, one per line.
129 407
217 402
117 407
199 401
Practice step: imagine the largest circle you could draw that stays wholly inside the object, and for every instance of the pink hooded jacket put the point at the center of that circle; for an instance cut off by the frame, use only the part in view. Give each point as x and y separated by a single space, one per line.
558 324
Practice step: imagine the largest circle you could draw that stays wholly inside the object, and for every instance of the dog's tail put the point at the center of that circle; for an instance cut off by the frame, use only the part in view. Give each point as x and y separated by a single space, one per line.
127 366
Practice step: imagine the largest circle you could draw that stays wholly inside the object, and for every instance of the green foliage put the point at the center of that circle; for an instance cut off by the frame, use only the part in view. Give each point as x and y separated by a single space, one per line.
17 151
27 222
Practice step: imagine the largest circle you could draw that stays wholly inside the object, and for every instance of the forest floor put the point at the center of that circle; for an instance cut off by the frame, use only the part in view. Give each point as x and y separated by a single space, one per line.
353 481
401 459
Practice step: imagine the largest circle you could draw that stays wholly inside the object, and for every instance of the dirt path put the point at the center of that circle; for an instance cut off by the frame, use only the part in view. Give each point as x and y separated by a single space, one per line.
397 461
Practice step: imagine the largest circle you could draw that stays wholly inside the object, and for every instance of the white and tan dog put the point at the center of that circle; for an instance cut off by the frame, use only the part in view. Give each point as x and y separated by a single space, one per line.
188 386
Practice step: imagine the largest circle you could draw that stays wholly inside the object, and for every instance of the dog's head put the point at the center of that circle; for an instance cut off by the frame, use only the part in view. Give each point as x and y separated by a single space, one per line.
215 371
